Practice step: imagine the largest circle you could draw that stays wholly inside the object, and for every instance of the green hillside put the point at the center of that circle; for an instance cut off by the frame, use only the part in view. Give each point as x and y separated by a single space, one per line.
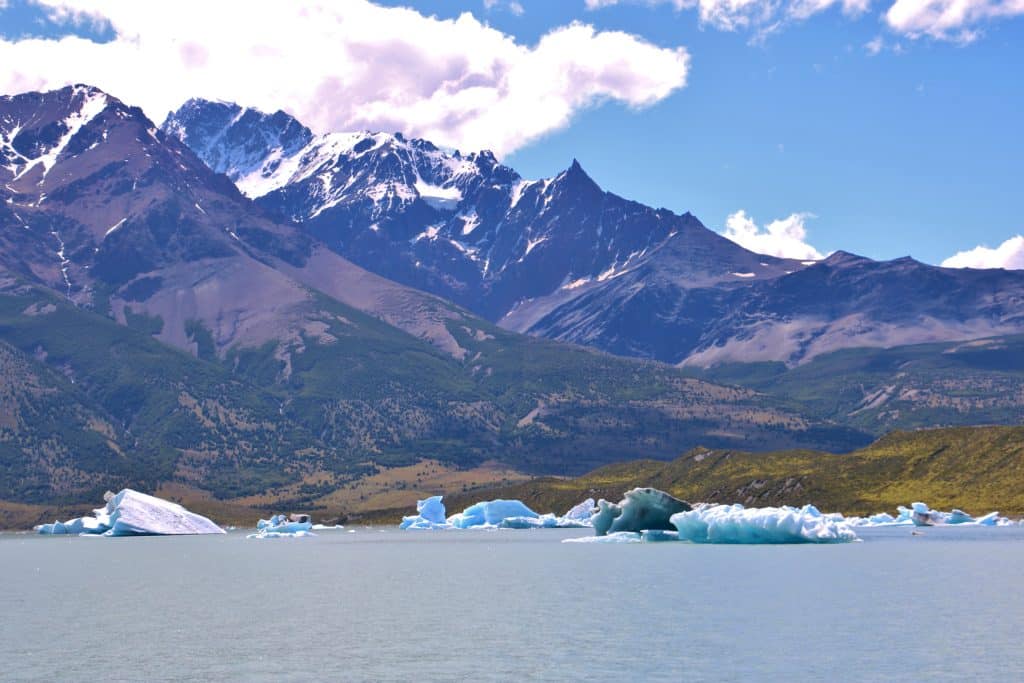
977 469
355 397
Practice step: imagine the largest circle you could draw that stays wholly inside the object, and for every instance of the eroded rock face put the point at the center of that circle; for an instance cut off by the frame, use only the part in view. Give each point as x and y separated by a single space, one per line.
642 509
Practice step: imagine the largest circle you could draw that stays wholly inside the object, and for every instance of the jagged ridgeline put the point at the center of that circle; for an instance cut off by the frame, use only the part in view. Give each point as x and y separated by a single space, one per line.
158 326
562 258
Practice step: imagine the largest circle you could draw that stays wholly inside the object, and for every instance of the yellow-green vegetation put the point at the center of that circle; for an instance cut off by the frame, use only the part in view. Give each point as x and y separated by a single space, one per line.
977 469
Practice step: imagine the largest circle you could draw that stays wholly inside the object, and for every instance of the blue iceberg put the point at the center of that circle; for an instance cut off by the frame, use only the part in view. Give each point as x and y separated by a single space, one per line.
430 514
738 524
491 513
642 509
130 513
495 514
280 526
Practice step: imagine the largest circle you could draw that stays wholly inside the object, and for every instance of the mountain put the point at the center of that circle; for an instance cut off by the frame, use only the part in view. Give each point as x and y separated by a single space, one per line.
971 468
563 259
157 328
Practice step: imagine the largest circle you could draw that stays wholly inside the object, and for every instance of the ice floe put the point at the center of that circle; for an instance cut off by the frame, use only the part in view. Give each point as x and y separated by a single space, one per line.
130 513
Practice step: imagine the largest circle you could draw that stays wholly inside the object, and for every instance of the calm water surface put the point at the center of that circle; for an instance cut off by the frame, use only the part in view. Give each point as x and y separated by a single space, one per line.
385 605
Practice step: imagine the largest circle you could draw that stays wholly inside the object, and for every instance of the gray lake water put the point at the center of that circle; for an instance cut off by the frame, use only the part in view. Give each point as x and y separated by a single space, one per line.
386 605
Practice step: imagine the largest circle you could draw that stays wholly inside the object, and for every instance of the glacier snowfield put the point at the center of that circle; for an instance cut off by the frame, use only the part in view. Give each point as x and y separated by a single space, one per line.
381 604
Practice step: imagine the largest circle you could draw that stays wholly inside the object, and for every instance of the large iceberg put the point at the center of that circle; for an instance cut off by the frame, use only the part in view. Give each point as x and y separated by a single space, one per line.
130 513
641 509
737 524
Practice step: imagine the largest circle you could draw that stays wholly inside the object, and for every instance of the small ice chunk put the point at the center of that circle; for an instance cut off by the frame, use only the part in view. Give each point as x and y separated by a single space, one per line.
548 521
280 524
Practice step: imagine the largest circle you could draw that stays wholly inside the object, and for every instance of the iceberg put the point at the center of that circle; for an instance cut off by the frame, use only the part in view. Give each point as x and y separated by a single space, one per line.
490 513
737 524
430 514
280 524
578 515
495 514
130 513
642 509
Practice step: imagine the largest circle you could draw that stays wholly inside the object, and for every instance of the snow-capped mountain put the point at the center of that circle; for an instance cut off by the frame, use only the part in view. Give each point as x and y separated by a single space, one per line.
462 226
100 205
564 259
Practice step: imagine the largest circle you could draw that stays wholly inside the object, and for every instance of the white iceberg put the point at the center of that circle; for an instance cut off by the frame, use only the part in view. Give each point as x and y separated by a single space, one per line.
130 513
737 524
578 515
641 509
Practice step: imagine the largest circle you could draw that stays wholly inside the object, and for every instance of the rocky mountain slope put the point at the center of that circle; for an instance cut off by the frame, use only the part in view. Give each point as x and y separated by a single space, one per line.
201 340
563 259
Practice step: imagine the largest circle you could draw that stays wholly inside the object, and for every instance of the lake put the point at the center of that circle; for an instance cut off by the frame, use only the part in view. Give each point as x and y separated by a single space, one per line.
387 605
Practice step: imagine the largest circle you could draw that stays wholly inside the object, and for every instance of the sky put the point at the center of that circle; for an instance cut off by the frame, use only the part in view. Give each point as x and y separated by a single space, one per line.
795 127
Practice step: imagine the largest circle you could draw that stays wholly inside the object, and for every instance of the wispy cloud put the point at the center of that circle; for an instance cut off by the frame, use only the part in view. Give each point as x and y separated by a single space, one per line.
959 21
350 66
1009 254
785 238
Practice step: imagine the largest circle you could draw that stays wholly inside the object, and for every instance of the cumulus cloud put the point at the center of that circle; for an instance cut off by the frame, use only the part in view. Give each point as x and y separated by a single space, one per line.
1009 255
785 238
955 20
760 16
349 66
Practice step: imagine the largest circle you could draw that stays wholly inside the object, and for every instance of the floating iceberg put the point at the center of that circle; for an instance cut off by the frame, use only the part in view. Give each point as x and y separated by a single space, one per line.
429 515
491 513
737 524
578 515
919 514
640 510
280 526
130 513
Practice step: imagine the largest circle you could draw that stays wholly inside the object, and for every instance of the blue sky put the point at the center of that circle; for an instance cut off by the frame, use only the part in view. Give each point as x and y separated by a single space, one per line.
917 149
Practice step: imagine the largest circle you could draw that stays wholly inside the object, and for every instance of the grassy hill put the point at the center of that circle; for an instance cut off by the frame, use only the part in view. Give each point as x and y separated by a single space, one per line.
976 469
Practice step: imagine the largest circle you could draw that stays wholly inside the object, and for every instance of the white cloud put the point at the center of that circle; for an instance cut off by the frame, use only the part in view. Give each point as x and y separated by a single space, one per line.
761 16
784 238
349 66
874 46
956 20
1009 254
